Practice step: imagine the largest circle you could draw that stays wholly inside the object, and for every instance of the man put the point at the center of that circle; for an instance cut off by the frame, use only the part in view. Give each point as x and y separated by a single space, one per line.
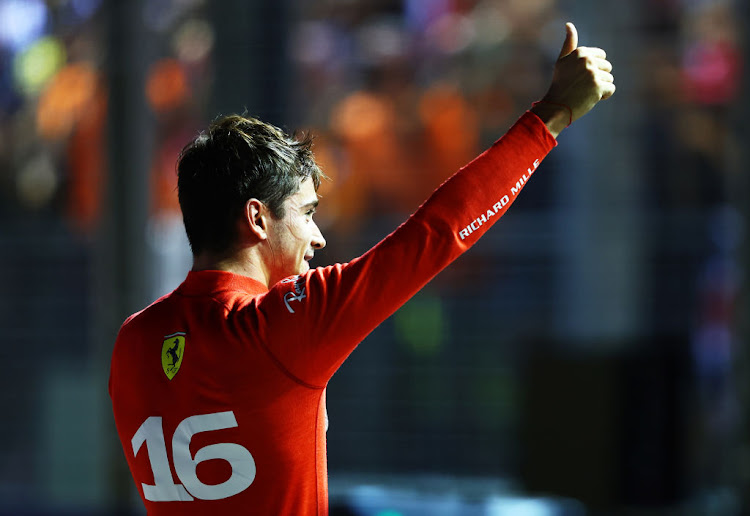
224 379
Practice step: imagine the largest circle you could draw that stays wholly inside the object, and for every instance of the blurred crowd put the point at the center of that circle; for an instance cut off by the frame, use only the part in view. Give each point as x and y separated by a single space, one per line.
403 94
399 93
54 94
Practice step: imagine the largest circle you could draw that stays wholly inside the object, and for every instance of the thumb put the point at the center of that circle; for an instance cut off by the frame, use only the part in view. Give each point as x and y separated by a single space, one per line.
571 40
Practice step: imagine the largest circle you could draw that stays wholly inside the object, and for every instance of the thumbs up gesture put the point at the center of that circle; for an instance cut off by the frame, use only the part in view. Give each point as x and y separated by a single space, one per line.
581 79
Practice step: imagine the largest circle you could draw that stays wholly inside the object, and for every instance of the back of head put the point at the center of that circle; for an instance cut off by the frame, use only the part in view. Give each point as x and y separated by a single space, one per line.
234 160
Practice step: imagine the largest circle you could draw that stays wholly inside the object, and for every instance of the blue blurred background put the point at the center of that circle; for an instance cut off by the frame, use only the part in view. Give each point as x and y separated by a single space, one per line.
587 357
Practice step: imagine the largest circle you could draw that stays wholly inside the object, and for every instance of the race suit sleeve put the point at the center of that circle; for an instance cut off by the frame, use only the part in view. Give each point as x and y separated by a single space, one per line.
314 321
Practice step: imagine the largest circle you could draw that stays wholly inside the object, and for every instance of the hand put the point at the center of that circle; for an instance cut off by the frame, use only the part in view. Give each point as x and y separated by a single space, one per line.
582 78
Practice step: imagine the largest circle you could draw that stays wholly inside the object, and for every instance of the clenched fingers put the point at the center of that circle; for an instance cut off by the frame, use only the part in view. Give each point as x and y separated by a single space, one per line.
602 76
607 90
594 52
592 58
602 64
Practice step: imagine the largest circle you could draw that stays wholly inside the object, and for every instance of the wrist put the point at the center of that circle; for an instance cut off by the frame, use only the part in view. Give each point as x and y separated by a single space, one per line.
555 116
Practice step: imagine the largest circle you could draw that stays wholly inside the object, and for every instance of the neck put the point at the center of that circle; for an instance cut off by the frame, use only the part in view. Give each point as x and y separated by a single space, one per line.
244 263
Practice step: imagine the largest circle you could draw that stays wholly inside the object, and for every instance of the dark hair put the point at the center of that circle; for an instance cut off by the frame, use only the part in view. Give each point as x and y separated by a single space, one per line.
236 159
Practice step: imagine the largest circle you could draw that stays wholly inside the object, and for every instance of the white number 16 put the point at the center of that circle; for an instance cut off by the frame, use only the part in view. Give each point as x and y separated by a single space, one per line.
164 488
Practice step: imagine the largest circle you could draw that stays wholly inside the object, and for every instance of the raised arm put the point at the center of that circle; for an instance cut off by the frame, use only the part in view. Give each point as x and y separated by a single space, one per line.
322 315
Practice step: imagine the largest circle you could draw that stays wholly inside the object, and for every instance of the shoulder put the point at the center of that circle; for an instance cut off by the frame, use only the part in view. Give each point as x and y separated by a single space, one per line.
149 313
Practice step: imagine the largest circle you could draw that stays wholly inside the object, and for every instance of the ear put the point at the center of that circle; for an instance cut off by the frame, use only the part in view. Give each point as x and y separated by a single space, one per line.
256 218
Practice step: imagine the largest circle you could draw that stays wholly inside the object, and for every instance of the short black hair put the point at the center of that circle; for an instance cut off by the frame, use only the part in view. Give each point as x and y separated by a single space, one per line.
236 159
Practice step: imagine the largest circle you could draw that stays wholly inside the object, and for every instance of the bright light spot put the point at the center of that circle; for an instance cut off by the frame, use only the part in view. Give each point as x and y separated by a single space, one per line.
21 22
34 67
167 85
520 507
70 92
193 41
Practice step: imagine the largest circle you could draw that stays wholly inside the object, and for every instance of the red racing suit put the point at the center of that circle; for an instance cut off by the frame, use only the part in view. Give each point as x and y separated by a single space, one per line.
218 388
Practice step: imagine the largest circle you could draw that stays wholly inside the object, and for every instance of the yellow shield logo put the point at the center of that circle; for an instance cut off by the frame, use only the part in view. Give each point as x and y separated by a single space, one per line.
172 350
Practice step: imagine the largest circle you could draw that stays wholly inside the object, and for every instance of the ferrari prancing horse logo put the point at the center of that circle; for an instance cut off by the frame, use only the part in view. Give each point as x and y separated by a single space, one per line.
172 350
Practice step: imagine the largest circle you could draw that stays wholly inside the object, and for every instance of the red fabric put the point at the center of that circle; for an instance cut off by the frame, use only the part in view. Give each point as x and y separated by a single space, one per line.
266 356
